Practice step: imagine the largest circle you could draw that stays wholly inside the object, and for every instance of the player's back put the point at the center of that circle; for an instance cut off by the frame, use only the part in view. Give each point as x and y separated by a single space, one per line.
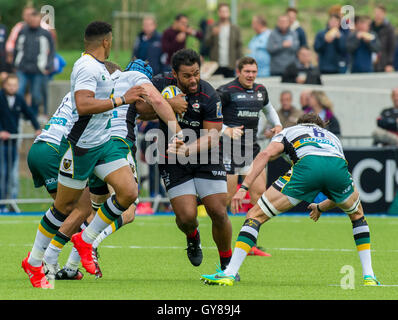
60 123
309 139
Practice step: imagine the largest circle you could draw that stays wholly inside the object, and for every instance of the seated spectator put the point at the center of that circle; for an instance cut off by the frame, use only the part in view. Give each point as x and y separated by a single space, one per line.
11 106
282 46
387 124
304 101
288 114
148 45
258 45
385 32
295 26
302 71
174 38
361 44
323 107
330 46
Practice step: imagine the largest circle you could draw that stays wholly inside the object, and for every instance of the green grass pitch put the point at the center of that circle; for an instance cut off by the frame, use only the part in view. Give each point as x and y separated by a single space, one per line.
147 260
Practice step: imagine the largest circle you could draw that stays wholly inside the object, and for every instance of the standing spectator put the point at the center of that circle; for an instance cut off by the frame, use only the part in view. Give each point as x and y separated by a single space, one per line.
288 114
175 37
224 40
387 124
385 32
323 107
396 54
258 45
361 44
5 67
148 45
282 46
11 106
295 26
302 71
330 44
12 38
34 59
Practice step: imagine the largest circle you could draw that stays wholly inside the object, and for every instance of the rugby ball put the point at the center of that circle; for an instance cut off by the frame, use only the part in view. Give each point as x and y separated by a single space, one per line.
170 92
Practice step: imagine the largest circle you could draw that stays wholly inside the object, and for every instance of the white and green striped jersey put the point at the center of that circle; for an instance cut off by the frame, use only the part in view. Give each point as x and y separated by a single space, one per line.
309 139
91 130
60 123
123 82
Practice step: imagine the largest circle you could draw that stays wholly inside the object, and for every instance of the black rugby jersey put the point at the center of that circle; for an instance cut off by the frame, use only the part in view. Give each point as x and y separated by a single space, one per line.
204 105
242 106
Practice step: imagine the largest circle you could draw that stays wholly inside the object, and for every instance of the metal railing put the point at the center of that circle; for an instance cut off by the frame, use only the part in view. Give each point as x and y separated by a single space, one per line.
13 168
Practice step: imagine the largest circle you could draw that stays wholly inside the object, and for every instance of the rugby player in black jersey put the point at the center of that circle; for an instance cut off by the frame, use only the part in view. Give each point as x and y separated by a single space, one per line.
201 172
243 100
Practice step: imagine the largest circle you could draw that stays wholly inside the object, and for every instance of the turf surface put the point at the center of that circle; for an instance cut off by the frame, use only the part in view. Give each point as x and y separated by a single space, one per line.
147 260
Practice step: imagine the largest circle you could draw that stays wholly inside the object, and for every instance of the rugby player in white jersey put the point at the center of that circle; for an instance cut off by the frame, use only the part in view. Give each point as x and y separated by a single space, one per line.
318 165
88 149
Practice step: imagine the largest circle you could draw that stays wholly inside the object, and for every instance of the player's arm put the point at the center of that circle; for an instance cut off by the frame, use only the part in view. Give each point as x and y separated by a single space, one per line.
318 208
272 116
161 107
87 104
206 142
272 152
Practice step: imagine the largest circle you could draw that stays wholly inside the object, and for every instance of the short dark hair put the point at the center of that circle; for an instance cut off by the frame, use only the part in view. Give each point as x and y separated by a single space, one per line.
185 57
179 16
96 30
9 77
222 4
291 9
311 118
244 61
362 18
381 7
261 20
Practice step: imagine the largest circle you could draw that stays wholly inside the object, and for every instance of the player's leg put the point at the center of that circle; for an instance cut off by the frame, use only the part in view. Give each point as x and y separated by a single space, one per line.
185 210
257 188
353 207
213 194
120 177
270 204
70 226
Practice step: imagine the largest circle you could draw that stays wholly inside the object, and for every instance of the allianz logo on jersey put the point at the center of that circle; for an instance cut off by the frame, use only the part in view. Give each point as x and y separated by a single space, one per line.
58 120
248 114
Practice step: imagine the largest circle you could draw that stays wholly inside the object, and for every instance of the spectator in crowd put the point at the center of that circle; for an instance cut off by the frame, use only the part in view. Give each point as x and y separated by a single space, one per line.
302 71
148 45
387 124
396 54
225 43
204 24
361 44
330 44
304 101
282 46
258 45
175 37
288 114
12 38
12 105
295 26
323 107
34 59
385 32
5 67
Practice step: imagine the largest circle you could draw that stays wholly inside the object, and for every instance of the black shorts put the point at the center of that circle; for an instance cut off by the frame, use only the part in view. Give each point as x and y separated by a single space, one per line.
231 165
201 179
